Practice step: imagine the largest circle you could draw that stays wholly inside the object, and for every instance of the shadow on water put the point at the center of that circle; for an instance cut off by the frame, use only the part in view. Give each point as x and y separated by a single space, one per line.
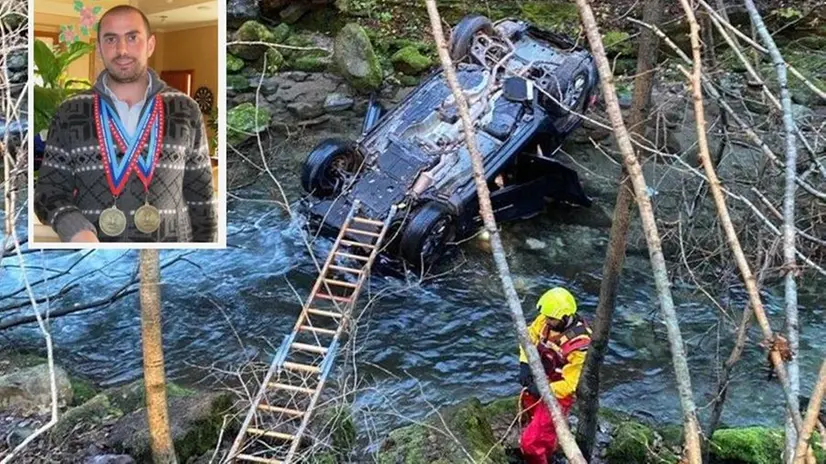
443 340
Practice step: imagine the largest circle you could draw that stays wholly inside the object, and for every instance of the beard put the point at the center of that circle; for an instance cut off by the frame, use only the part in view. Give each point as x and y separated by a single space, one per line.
132 73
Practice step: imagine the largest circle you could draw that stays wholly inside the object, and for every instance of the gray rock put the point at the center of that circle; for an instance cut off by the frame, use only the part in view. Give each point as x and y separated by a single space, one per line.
294 12
239 11
92 412
27 390
355 59
535 244
269 85
18 61
110 459
337 102
305 110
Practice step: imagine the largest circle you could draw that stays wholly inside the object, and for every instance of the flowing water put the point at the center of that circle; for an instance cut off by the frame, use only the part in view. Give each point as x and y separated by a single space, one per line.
422 343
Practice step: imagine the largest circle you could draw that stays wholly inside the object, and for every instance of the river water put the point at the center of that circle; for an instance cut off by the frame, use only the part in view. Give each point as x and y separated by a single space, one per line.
421 343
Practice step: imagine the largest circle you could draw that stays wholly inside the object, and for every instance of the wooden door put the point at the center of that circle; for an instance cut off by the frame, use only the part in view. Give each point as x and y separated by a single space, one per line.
181 80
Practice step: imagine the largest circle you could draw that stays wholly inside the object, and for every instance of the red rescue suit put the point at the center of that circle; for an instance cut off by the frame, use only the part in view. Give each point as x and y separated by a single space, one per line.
563 356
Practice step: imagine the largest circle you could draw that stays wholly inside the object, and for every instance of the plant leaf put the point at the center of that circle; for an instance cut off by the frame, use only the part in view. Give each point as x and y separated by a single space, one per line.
46 63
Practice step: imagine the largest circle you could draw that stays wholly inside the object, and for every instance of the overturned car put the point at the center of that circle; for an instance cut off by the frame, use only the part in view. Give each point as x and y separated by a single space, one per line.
525 87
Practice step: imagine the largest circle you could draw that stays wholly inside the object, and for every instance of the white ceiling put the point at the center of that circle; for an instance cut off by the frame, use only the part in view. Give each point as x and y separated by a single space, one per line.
164 15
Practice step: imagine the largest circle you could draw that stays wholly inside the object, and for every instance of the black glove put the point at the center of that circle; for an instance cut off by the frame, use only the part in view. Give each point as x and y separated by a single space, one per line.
534 390
525 376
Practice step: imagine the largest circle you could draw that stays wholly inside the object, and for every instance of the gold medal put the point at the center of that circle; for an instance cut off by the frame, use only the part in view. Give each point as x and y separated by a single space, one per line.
147 219
112 221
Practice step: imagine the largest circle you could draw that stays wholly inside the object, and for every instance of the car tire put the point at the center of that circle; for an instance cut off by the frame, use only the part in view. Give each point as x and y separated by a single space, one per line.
461 37
426 235
324 171
570 73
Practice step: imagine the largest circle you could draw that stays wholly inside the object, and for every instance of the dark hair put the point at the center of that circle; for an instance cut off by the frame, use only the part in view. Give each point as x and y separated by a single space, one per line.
125 9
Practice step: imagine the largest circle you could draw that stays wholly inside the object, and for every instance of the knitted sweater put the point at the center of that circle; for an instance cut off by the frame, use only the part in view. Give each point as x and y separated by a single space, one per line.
72 190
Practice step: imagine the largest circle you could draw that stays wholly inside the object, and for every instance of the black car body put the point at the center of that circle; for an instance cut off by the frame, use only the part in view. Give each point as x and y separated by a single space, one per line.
525 89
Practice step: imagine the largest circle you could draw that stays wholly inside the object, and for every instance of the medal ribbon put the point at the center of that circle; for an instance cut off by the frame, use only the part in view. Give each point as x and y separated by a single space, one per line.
111 133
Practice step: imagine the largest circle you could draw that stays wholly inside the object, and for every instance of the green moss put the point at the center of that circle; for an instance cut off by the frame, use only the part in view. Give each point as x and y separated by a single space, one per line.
297 40
281 33
410 61
274 61
252 31
203 434
557 16
407 81
472 439
338 424
630 443
310 63
752 445
242 122
82 391
91 413
237 83
618 43
234 64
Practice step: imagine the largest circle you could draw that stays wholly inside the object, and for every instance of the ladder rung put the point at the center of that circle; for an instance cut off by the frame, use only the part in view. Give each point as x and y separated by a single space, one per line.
320 312
247 457
310 328
310 348
325 296
368 221
346 269
284 386
292 412
359 244
341 283
362 232
267 433
301 367
348 255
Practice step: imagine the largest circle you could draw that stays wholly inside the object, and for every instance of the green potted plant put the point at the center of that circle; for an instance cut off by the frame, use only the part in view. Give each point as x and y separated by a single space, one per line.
54 86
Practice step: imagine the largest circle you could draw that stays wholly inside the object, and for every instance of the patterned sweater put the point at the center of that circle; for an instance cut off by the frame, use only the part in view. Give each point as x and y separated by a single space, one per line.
72 190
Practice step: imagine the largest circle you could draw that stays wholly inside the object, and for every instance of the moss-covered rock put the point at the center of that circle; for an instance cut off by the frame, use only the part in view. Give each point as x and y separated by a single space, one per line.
82 391
27 390
630 444
355 59
131 397
281 33
89 414
234 64
274 61
312 63
410 61
242 122
337 425
297 40
252 31
754 445
467 423
237 83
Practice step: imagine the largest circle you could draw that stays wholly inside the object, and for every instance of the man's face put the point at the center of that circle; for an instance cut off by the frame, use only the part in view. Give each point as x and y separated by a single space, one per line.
124 46
555 324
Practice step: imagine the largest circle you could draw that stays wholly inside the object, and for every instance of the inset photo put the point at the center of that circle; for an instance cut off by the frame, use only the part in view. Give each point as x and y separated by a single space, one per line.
125 145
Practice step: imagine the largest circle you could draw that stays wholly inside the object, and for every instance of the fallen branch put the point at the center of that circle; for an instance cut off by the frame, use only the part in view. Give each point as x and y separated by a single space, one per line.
812 412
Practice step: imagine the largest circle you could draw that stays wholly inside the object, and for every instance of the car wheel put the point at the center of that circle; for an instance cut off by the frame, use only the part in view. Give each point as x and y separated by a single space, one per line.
329 167
426 235
572 88
461 37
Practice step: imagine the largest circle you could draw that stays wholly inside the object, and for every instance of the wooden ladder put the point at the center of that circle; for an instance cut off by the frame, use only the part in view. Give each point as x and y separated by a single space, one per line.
280 412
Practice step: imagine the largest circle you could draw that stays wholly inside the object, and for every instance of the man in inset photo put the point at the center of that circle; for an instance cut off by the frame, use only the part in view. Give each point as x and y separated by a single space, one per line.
128 160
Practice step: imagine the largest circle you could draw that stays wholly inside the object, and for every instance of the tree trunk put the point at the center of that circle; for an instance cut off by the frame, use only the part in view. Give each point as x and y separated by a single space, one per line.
588 391
566 439
160 438
789 260
652 236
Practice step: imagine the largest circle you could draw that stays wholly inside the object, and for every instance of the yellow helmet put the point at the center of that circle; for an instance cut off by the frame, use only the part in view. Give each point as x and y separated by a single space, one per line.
556 303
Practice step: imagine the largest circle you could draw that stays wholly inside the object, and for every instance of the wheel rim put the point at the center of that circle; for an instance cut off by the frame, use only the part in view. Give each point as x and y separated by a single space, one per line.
575 93
437 238
339 172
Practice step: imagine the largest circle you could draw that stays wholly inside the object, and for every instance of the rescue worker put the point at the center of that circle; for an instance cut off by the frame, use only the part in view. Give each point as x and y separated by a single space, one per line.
562 339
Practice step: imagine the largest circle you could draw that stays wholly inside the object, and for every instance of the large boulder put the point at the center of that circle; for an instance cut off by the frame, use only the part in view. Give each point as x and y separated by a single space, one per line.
242 122
355 59
472 438
240 11
252 31
92 413
27 390
195 423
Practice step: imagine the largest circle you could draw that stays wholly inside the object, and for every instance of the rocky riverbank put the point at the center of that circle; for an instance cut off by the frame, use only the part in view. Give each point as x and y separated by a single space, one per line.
109 427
